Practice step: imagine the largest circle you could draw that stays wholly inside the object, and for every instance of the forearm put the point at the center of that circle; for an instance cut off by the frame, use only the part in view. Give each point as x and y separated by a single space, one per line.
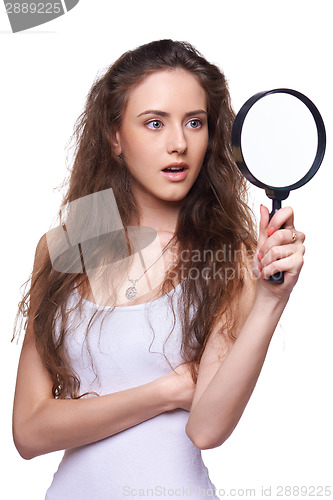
58 424
221 405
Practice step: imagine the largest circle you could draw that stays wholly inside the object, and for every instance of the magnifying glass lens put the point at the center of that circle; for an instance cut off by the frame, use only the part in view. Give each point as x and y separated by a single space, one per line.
279 139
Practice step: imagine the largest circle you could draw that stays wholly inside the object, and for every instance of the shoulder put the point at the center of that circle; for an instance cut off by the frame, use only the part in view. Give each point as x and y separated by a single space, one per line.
42 256
42 247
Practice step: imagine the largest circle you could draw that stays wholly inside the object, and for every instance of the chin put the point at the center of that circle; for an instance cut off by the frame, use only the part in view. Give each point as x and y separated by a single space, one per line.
176 197
178 193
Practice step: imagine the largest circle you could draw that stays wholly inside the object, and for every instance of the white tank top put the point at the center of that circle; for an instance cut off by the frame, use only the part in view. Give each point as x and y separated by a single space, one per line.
154 458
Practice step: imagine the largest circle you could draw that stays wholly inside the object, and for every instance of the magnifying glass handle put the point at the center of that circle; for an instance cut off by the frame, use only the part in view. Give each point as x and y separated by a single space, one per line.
277 277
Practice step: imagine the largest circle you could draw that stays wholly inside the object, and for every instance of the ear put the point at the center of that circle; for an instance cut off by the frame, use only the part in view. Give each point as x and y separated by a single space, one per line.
115 142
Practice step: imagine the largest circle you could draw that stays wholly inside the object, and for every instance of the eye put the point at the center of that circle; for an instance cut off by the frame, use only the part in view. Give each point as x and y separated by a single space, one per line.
194 123
154 124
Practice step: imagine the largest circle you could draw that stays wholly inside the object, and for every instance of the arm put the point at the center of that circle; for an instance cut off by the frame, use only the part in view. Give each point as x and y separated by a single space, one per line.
42 424
224 388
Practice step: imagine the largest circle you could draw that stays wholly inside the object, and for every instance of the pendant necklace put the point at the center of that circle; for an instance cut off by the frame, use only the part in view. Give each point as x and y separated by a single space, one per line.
132 291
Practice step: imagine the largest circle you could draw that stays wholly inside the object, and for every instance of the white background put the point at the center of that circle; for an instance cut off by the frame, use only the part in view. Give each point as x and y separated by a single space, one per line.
284 437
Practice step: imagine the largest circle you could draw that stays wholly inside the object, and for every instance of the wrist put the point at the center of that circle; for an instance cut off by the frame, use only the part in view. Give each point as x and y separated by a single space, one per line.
164 393
269 305
262 320
268 295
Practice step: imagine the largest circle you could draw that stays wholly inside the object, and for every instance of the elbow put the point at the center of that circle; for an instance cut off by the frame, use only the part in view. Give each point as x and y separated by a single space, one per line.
22 449
205 441
23 444
201 442
27 434
199 439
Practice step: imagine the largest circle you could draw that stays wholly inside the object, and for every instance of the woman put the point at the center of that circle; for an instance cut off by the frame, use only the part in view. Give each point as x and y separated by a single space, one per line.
134 394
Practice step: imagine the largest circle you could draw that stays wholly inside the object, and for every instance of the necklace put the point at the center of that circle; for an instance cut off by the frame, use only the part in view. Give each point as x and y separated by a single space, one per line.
132 291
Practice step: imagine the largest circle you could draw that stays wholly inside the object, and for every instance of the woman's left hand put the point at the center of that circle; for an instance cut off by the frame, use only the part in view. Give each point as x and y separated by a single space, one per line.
278 250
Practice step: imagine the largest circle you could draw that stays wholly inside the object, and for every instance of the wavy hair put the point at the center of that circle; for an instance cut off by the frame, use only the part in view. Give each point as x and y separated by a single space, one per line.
214 216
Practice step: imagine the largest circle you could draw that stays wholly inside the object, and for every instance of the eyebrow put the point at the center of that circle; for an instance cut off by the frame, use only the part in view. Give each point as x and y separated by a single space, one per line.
163 113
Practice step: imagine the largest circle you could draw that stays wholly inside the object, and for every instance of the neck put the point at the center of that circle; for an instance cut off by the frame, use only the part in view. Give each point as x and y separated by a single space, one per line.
163 221
159 214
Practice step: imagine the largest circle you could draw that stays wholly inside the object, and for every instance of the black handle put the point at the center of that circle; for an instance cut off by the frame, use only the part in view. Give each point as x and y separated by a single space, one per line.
277 277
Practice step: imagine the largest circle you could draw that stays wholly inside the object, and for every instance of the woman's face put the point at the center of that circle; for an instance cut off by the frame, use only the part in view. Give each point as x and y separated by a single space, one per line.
164 125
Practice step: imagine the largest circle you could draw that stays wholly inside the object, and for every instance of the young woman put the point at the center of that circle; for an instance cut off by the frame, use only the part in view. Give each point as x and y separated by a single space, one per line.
143 346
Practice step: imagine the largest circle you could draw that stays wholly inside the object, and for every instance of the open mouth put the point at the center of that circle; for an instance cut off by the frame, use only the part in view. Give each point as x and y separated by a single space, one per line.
173 169
174 173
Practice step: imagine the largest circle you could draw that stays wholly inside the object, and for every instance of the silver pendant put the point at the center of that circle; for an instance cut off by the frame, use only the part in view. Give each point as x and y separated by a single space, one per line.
132 291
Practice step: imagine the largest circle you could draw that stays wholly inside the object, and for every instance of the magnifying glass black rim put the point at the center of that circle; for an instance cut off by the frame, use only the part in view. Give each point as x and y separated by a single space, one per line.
237 146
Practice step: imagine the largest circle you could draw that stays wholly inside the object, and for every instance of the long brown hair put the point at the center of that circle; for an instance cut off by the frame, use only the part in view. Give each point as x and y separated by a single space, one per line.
213 218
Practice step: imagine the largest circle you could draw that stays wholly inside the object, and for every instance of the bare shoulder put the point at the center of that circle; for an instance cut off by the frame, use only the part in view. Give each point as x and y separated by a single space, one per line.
41 252
40 259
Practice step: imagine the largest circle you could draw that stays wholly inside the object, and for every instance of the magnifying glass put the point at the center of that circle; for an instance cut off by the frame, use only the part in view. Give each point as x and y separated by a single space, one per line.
278 143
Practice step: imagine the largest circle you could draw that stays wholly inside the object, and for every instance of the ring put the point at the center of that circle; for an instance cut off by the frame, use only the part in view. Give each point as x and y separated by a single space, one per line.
294 236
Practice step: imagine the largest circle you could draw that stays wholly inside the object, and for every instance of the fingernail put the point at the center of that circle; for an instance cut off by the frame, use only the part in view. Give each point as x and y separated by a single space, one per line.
270 231
260 267
260 256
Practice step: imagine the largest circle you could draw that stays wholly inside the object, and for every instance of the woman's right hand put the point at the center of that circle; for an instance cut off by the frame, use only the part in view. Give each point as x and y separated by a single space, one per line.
180 386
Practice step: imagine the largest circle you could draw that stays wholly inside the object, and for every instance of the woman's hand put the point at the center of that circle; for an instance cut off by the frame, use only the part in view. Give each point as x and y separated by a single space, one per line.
181 386
278 250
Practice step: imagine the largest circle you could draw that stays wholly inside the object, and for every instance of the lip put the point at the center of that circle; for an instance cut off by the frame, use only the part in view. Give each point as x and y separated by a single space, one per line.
176 176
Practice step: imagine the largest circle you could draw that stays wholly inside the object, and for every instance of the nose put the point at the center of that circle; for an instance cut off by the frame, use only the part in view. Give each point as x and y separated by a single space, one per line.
177 141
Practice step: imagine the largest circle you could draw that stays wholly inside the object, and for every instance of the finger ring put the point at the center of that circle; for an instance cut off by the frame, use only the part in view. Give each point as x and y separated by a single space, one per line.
294 236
